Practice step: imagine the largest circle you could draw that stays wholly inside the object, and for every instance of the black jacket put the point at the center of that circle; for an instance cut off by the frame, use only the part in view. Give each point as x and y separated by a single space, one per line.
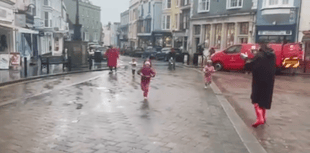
263 67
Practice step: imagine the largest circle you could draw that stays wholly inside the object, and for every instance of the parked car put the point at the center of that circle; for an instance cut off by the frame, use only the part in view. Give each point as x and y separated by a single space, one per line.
149 53
230 59
137 52
163 54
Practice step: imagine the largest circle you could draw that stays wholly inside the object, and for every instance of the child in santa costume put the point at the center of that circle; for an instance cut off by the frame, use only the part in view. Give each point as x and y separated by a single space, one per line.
146 72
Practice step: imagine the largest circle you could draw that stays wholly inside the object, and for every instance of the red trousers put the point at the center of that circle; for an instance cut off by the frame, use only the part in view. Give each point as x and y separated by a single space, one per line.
145 85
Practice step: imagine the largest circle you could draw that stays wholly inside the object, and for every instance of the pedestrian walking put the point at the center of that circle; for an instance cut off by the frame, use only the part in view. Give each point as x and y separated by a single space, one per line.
112 55
208 70
263 70
146 72
133 64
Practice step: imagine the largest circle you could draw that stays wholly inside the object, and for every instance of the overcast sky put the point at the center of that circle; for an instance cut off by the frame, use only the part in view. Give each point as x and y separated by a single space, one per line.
111 9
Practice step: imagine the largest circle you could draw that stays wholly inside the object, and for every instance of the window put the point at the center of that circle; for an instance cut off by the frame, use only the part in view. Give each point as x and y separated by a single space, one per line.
177 3
167 4
185 2
149 7
207 36
233 49
218 35
197 29
176 21
203 5
254 5
231 4
46 19
273 2
230 36
47 2
276 3
244 28
166 22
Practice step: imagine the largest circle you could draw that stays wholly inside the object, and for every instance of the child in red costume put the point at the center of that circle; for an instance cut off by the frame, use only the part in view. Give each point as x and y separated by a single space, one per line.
146 73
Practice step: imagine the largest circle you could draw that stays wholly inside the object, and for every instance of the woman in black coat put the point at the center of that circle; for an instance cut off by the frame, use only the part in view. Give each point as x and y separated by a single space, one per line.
263 71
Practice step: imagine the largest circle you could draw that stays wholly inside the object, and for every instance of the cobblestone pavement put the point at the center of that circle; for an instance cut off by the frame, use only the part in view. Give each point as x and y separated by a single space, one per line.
287 128
108 114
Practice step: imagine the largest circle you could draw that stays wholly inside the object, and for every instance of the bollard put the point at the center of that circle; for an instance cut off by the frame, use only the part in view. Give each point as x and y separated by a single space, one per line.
25 66
69 63
48 65
90 63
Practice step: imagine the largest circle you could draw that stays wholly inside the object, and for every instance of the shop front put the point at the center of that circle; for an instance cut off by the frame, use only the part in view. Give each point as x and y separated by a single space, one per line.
276 34
144 41
180 40
161 39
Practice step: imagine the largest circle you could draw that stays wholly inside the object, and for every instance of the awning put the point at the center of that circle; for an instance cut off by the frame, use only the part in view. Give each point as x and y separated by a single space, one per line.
305 38
24 30
20 29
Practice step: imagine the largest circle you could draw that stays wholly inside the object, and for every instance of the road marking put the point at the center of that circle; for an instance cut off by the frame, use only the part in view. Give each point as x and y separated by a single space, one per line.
246 136
47 91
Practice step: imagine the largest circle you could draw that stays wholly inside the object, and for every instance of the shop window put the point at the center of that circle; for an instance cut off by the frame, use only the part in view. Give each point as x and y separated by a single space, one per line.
218 35
207 36
230 37
243 40
244 28
231 4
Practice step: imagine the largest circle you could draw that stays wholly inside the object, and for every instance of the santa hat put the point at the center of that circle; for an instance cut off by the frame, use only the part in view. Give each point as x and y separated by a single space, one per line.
147 63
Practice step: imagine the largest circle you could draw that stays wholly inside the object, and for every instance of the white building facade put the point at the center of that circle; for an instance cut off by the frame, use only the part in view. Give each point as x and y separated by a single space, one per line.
51 22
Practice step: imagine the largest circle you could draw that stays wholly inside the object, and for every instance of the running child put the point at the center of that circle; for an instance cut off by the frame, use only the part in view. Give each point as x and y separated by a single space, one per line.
133 64
146 73
208 70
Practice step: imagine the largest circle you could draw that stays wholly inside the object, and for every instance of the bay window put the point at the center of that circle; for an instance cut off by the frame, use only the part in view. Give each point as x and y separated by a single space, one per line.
204 5
232 4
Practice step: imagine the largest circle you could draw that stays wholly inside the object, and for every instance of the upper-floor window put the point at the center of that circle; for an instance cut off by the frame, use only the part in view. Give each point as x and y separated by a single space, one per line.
32 10
277 3
167 4
185 2
47 19
47 2
166 22
177 3
231 4
149 7
204 6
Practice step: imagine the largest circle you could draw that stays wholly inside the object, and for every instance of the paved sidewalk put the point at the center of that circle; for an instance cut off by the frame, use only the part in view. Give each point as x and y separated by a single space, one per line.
287 127
107 114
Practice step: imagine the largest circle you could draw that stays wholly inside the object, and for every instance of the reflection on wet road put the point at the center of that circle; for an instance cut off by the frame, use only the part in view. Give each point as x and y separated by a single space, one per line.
108 113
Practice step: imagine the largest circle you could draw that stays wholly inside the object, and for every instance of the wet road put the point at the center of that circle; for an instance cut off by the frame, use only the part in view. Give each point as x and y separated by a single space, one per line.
98 113
288 125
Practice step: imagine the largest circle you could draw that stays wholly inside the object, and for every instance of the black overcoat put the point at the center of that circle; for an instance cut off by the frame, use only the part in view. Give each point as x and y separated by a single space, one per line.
263 70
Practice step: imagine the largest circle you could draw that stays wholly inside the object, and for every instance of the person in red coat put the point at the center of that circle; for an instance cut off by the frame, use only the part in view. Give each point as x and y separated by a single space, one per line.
112 56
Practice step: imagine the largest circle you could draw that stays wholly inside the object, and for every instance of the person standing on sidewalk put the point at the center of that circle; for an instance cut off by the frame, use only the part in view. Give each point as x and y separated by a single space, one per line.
263 70
146 72
112 55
